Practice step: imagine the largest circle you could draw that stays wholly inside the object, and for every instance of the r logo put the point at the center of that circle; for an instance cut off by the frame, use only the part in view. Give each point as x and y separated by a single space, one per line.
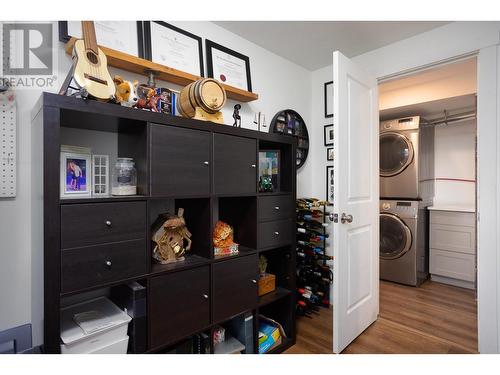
27 49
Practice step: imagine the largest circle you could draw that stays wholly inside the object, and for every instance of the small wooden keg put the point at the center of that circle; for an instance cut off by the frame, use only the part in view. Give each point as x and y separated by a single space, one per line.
206 93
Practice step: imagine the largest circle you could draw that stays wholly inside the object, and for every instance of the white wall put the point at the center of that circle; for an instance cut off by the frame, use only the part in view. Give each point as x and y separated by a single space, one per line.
280 84
455 158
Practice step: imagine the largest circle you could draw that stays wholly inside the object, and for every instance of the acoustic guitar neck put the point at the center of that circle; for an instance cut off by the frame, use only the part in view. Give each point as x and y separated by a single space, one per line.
90 41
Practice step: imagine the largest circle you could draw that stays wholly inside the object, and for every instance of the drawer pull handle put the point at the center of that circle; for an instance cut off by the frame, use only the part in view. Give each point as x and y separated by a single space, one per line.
253 165
277 233
205 162
254 281
108 223
277 208
108 263
205 296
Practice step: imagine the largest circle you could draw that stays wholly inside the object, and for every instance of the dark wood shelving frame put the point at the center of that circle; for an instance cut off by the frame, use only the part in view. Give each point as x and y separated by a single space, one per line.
134 132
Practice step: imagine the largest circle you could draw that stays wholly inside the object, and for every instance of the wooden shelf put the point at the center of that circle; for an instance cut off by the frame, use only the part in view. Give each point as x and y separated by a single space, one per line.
273 296
140 66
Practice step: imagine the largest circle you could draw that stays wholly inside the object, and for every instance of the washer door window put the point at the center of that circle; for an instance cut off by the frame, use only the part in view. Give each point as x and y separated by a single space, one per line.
395 237
396 153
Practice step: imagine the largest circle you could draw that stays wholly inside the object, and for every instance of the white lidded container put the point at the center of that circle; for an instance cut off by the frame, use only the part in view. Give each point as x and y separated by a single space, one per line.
95 326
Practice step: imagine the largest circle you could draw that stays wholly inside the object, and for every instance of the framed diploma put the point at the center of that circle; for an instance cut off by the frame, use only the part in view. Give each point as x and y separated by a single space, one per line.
123 36
173 47
228 66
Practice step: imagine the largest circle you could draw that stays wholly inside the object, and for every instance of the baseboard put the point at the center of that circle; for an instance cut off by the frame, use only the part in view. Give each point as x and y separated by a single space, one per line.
454 282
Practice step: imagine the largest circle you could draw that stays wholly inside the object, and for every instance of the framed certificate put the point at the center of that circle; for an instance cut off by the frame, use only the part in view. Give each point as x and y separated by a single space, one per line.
123 36
228 66
173 47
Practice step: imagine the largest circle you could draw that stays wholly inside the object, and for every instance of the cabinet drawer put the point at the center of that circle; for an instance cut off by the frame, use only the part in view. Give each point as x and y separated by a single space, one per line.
450 264
99 223
453 218
95 265
235 286
274 234
453 238
179 305
275 207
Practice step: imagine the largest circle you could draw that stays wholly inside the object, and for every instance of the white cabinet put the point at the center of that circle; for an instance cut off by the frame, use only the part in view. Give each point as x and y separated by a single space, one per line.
453 247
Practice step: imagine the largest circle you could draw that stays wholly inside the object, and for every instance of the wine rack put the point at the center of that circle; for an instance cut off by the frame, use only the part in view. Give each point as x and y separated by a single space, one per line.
314 274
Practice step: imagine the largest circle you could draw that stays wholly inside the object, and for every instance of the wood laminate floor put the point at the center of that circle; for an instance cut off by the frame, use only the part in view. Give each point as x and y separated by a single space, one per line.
434 318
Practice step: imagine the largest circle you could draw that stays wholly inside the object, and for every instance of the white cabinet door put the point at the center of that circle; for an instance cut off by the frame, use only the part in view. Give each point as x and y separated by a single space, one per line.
356 196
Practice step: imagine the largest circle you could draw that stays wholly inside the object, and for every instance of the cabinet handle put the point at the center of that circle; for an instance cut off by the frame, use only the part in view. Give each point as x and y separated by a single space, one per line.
254 281
277 233
205 296
253 165
108 223
277 208
205 162
108 263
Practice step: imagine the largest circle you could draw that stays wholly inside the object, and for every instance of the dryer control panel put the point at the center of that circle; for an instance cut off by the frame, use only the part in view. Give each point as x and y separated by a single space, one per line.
404 209
406 123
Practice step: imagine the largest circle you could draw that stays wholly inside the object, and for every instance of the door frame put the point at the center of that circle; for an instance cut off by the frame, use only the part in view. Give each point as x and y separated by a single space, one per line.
488 167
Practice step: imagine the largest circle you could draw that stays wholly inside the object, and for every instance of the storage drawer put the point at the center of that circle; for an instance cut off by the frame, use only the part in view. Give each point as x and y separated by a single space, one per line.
179 305
99 223
235 286
274 234
95 265
467 219
453 238
450 264
275 207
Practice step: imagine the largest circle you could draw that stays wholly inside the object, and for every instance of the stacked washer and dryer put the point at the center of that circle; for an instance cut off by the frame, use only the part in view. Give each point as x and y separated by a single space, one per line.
406 189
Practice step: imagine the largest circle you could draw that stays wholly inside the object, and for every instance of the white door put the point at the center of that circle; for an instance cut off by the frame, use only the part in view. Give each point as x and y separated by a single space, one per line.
356 201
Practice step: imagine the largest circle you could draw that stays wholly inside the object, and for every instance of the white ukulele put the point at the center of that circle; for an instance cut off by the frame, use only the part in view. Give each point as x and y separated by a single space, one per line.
91 66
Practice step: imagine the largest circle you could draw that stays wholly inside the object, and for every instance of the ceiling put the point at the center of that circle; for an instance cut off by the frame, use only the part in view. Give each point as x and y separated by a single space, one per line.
310 43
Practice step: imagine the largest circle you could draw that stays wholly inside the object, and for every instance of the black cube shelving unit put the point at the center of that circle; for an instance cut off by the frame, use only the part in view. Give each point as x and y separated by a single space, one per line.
210 170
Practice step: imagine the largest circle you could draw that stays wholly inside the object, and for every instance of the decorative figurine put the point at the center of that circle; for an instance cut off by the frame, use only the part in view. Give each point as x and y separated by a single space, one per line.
171 238
126 91
236 116
223 239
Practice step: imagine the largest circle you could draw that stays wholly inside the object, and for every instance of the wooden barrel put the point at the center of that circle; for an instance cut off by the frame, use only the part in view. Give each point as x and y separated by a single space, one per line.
206 93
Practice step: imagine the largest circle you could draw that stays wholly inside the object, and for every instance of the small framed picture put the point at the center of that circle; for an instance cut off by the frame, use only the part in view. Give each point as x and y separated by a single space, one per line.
329 99
100 177
329 183
329 154
328 135
75 175
269 170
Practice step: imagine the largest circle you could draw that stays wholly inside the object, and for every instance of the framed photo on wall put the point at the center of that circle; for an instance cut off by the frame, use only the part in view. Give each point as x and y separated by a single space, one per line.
328 135
75 175
228 66
328 99
123 36
329 154
329 183
171 46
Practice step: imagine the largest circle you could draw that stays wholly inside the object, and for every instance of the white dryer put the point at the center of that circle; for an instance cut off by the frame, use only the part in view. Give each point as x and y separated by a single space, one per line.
406 160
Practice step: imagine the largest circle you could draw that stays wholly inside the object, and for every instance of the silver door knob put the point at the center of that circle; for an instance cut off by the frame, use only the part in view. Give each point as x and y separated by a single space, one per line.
108 263
277 233
333 217
277 208
205 296
254 281
345 218
205 162
254 166
108 223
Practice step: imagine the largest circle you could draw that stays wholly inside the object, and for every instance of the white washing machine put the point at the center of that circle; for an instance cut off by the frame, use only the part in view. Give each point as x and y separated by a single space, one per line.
404 250
406 160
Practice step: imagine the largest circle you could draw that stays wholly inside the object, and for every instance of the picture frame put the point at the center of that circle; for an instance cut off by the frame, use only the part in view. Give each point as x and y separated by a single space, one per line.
328 135
75 175
329 154
328 97
230 67
100 176
171 46
269 165
329 183
117 35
